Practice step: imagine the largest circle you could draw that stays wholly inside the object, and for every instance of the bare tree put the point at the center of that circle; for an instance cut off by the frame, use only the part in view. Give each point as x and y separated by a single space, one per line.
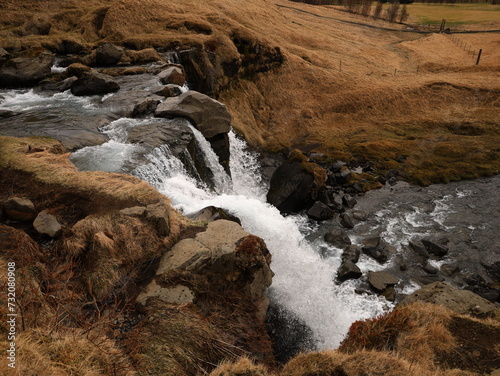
392 12
377 11
403 14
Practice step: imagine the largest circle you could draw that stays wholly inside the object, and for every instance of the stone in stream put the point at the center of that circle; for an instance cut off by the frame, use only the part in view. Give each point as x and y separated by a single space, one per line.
419 248
378 249
25 71
56 86
359 215
47 224
320 212
172 75
295 183
351 253
169 90
209 116
338 238
349 201
430 269
449 269
436 248
20 209
348 270
94 83
346 221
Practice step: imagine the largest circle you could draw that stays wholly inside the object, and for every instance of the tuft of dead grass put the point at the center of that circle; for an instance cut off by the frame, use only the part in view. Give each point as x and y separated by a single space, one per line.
67 352
242 367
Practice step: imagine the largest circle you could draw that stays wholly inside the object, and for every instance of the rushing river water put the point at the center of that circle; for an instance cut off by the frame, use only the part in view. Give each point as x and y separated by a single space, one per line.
304 265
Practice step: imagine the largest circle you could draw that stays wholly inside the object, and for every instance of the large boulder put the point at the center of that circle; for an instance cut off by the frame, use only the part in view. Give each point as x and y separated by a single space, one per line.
225 254
209 116
348 270
295 184
108 54
460 301
26 71
172 75
180 140
94 83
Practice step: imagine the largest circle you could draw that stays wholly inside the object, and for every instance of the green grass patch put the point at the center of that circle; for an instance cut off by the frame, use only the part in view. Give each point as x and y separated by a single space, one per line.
456 14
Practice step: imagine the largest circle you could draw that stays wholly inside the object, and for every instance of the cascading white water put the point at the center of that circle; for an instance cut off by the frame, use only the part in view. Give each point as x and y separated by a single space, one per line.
303 281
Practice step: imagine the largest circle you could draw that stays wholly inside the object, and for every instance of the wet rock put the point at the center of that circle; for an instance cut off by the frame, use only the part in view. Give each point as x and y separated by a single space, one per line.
428 279
212 213
351 253
295 183
145 107
338 238
180 140
320 212
20 209
209 116
77 70
108 54
349 201
392 181
359 215
172 75
343 176
346 221
436 248
377 248
26 71
170 91
381 280
348 270
47 224
400 262
419 248
7 114
93 83
201 71
460 301
158 215
430 269
449 269
56 86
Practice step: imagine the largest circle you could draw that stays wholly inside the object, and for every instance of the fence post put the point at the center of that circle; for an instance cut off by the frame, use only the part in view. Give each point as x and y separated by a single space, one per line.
479 56
340 66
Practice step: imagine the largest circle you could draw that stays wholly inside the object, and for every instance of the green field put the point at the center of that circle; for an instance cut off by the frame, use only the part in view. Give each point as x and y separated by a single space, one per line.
457 14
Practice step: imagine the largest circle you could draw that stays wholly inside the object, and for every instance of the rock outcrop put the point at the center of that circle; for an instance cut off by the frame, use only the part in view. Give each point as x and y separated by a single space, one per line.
459 301
295 184
20 209
25 71
209 116
94 83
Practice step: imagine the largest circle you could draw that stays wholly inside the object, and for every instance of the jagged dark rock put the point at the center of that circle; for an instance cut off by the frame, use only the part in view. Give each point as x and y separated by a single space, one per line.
25 71
346 221
94 83
348 270
108 54
320 212
436 248
351 253
338 238
212 213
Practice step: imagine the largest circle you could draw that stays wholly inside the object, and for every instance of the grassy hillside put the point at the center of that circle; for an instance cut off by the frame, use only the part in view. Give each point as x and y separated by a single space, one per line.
411 102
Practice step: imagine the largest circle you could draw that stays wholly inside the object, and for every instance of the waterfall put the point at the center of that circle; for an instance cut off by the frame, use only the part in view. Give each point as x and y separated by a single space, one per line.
304 281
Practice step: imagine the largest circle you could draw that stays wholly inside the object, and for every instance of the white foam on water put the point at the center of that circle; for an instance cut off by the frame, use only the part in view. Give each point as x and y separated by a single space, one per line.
24 100
111 156
56 69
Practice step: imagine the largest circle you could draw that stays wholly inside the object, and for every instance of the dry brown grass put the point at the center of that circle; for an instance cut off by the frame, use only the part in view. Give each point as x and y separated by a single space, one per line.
67 352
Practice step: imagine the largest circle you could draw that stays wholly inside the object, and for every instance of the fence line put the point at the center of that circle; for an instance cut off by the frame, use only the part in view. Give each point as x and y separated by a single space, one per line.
469 48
